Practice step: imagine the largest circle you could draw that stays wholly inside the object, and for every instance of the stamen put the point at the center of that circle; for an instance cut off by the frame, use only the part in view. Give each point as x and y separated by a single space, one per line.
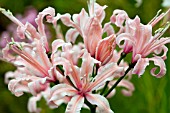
158 17
159 32
18 49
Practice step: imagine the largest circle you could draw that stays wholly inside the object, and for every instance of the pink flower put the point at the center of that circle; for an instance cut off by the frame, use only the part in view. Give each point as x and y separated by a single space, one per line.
29 16
35 69
82 84
139 40
90 29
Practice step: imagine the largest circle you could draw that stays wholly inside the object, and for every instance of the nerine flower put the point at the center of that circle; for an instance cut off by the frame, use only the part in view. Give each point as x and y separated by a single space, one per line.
140 41
82 84
35 69
29 16
76 74
89 27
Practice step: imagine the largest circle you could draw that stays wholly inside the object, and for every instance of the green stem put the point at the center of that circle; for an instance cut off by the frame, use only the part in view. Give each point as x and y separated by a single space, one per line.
92 107
123 55
117 82
104 89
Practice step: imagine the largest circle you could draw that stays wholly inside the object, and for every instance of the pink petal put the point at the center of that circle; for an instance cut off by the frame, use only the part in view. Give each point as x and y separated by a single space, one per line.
75 105
140 66
55 75
158 61
100 101
41 51
96 10
87 65
160 49
21 32
37 86
128 87
32 104
8 76
105 73
57 103
71 35
18 87
11 17
118 17
105 49
80 20
39 20
32 31
58 92
65 63
99 12
125 37
6 54
56 44
108 29
92 35
66 19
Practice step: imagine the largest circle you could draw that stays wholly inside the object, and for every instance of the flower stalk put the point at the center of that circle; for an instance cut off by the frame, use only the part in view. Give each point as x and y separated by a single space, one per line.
117 82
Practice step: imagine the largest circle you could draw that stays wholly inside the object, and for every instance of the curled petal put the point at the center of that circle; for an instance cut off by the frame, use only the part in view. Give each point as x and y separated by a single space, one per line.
66 19
99 12
160 49
75 105
56 44
6 54
37 86
58 92
8 76
100 101
118 17
71 35
140 66
124 37
55 75
39 20
65 63
17 87
80 19
32 104
158 61
56 103
108 29
69 53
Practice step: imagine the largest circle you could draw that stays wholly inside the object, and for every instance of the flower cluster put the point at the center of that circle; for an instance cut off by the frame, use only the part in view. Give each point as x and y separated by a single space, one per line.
82 74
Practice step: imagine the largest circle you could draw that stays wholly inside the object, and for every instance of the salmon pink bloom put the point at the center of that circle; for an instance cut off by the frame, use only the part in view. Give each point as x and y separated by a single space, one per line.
89 27
83 84
35 69
140 41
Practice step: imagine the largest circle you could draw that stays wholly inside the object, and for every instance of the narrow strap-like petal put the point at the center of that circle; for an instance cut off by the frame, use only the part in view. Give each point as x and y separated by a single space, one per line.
100 101
75 105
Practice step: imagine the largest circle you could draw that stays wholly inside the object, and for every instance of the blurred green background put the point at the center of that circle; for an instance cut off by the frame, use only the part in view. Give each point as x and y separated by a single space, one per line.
151 95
